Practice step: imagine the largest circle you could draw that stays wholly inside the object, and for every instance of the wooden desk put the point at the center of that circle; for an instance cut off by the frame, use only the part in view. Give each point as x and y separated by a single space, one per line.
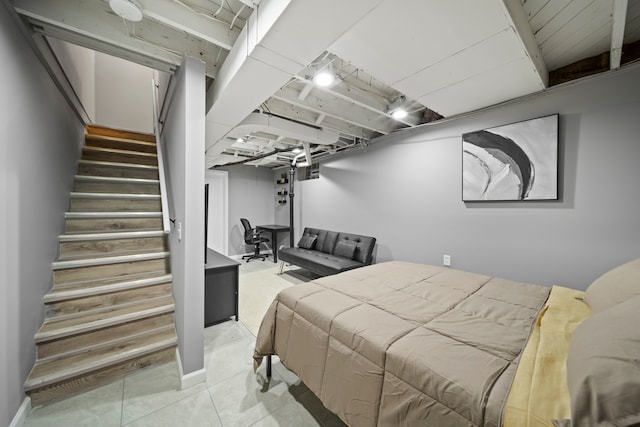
220 288
274 229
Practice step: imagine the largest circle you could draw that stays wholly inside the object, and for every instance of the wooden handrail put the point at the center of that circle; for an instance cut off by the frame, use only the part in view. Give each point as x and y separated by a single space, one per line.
166 223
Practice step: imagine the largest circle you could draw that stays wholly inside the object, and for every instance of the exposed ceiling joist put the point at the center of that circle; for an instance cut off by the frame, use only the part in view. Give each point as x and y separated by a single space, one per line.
320 101
618 18
180 16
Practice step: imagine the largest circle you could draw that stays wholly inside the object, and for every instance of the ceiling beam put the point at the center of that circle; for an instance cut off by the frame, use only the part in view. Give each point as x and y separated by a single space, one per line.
143 55
177 16
93 25
285 109
520 24
320 101
618 20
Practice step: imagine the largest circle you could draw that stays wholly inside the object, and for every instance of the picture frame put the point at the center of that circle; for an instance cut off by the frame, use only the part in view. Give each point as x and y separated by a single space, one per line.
513 162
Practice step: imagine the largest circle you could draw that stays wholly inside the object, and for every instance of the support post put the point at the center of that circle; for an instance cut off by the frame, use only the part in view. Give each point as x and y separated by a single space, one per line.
292 174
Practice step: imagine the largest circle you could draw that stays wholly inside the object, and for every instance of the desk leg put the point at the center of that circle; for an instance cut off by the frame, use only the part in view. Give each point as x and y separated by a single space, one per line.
274 243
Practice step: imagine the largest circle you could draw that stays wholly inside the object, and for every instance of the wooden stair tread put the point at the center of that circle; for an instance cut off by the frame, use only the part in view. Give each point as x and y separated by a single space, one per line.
116 179
53 329
113 214
141 145
79 291
106 281
87 162
110 236
51 371
105 260
140 154
75 194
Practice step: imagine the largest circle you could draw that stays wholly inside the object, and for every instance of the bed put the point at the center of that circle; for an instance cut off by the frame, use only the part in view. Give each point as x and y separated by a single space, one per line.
406 344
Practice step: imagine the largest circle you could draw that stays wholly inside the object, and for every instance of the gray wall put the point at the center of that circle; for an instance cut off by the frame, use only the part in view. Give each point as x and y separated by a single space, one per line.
251 195
40 144
183 140
406 190
123 94
79 65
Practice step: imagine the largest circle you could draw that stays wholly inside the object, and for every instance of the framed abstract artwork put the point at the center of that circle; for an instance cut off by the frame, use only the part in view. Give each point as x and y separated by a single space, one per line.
518 161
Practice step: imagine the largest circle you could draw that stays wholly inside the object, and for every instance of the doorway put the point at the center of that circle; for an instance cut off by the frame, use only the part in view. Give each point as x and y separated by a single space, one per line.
218 218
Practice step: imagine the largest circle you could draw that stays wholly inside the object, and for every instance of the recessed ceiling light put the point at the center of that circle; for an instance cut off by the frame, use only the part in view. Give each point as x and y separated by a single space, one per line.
127 9
399 113
324 78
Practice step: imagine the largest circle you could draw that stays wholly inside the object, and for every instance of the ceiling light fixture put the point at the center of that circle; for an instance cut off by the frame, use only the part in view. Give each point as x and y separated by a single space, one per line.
399 113
296 150
127 9
324 78
397 108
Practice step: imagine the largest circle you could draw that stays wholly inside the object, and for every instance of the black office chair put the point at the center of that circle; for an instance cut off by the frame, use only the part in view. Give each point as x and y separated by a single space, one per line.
253 237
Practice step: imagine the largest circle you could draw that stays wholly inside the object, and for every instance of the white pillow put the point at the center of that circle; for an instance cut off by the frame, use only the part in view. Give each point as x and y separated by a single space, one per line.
614 286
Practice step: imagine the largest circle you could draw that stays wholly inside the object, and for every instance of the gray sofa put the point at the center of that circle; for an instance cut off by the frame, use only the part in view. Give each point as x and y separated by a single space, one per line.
327 252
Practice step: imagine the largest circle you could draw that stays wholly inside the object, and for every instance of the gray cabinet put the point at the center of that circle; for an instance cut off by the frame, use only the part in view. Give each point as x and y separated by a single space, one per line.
220 288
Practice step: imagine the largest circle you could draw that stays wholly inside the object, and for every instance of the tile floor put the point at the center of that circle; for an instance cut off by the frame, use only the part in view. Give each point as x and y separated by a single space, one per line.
232 395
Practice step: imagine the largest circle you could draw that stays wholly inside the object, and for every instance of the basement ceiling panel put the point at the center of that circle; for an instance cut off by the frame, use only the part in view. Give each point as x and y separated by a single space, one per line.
492 87
417 34
490 54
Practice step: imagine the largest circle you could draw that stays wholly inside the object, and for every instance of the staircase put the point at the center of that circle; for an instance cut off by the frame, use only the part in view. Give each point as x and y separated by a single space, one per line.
111 308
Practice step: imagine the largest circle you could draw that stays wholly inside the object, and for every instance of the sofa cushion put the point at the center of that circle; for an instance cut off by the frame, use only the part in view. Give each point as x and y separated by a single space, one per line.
345 248
307 241
318 262
364 246
329 242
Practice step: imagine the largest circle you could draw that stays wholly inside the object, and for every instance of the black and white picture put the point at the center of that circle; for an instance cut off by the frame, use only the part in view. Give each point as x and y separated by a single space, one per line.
518 161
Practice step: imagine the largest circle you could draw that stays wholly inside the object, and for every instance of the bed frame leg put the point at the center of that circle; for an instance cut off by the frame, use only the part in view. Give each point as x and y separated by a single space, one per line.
269 366
281 267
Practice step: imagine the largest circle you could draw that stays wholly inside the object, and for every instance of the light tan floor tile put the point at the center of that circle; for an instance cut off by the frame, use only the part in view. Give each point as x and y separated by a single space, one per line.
246 398
151 389
224 333
101 407
193 411
229 360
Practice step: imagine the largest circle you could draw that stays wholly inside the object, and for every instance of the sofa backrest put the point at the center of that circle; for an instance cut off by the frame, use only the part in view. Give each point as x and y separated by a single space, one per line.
326 242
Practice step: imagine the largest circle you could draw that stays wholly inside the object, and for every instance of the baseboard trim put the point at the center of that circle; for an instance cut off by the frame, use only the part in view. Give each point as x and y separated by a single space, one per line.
23 411
192 378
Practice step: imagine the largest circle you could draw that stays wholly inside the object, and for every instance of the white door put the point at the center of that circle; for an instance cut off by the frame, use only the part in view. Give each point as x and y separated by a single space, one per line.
218 223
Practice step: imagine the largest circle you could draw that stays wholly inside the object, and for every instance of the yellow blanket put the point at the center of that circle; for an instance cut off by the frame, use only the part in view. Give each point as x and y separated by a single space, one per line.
539 392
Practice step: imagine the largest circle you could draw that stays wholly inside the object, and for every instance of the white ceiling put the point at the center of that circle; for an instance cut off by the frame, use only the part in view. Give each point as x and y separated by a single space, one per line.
441 58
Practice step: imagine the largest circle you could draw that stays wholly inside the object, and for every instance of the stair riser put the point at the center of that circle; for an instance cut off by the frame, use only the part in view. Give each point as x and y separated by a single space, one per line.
117 172
102 187
114 204
98 302
106 156
121 145
118 133
81 274
98 225
100 248
107 375
92 339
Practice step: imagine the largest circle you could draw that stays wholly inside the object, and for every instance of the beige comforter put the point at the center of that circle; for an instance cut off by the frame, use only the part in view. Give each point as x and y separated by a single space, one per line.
404 344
